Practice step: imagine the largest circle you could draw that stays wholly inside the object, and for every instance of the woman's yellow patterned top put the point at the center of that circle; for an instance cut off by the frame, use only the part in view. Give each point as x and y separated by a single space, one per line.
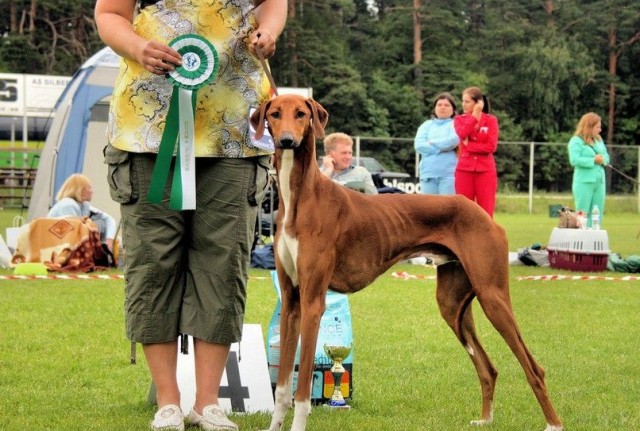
140 100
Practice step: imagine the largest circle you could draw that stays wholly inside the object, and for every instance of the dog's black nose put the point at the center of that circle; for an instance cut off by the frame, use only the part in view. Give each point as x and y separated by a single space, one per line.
287 143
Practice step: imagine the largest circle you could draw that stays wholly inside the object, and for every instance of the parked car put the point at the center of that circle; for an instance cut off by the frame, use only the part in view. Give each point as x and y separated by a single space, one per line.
379 173
377 168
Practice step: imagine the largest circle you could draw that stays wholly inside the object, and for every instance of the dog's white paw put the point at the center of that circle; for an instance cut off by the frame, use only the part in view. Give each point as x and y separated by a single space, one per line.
554 428
480 422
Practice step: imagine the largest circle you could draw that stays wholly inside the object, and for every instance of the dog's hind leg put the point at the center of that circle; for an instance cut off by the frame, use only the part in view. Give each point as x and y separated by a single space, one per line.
289 333
454 294
496 303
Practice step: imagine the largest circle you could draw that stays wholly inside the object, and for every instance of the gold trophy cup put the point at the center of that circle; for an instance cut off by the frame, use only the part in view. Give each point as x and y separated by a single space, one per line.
337 354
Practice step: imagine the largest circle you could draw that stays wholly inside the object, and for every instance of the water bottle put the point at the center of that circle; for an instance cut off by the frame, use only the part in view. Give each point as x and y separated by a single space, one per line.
595 218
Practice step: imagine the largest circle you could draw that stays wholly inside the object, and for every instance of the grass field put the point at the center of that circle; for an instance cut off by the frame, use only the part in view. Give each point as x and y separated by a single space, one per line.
64 359
11 155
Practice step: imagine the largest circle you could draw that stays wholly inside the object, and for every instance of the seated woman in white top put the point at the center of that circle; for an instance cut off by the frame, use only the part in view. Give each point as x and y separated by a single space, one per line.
73 200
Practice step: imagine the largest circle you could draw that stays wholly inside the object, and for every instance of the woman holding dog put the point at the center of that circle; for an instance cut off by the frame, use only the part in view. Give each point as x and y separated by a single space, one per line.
436 142
588 156
186 270
476 176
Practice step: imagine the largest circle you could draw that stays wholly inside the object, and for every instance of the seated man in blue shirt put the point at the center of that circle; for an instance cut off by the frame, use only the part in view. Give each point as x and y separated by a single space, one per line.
337 165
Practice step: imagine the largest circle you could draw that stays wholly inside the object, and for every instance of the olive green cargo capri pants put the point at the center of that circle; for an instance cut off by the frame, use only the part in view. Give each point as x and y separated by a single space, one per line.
186 271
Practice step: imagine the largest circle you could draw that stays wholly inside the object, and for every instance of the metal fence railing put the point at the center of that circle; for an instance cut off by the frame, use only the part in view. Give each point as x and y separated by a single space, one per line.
523 167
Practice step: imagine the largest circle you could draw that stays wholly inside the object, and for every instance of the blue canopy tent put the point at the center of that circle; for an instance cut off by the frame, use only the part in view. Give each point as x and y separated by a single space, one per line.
77 136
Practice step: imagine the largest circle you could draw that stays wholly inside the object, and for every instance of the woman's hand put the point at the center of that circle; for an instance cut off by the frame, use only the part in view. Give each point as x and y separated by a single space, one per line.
599 159
478 107
114 20
263 40
158 58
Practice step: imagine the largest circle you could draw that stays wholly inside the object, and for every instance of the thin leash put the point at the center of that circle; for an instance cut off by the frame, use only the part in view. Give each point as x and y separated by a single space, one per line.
618 171
266 70
263 61
623 174
630 179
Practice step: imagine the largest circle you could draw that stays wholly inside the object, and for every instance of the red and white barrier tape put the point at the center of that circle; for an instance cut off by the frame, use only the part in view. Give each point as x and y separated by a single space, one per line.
577 277
406 276
403 275
79 277
64 277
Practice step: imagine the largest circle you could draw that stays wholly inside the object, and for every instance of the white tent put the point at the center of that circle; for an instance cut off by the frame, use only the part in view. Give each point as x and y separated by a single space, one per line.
77 136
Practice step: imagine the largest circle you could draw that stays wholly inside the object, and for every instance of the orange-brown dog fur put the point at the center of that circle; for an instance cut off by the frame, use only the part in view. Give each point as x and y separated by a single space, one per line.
330 237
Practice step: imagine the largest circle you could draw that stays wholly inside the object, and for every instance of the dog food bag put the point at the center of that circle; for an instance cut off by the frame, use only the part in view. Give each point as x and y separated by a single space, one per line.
335 330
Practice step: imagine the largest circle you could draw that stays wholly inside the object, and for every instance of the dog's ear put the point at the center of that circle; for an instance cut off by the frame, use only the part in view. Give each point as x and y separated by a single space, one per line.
320 118
257 119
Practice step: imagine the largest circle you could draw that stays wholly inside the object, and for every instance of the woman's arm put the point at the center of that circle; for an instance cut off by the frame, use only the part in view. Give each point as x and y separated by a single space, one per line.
109 224
113 19
486 136
446 141
271 16
602 149
464 125
421 141
576 158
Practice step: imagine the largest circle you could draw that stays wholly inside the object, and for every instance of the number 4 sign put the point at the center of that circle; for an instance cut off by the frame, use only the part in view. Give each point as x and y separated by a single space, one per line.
245 387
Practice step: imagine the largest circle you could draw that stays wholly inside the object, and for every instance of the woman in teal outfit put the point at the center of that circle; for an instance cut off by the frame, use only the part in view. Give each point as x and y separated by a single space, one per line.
588 156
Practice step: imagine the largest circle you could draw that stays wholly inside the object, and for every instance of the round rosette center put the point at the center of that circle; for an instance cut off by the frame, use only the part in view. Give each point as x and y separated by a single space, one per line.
199 62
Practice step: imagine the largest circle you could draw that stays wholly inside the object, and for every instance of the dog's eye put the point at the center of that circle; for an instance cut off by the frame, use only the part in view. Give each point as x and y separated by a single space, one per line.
301 114
275 114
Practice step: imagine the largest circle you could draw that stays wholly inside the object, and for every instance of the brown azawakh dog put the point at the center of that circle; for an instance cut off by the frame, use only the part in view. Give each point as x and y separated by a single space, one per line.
330 237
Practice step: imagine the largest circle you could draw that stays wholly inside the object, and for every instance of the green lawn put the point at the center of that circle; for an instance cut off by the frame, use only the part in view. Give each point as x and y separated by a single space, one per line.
17 158
64 360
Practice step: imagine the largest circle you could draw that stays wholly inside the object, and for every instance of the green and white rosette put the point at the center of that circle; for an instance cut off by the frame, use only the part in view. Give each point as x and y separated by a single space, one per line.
199 67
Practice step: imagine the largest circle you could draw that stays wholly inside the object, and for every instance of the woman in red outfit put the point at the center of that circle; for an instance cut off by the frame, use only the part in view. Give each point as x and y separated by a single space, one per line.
476 176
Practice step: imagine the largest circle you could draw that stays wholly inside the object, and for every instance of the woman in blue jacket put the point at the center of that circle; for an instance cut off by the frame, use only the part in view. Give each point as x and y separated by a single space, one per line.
436 142
588 156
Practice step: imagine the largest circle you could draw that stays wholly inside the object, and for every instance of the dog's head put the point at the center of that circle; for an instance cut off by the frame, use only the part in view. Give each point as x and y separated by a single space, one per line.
290 119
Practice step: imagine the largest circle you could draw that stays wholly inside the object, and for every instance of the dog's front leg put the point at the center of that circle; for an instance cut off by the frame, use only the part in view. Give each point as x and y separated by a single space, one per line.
282 404
289 333
312 306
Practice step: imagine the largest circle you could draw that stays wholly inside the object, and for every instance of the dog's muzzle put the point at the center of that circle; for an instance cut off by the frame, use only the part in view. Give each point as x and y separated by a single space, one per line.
287 141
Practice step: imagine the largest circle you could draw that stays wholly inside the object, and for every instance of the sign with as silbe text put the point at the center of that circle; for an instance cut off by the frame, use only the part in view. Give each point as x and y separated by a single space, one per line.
245 387
30 95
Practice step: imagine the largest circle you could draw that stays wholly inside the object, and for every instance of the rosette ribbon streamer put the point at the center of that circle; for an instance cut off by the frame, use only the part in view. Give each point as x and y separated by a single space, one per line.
199 67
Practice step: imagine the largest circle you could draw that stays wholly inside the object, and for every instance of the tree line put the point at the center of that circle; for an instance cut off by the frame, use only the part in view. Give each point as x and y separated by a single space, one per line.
376 65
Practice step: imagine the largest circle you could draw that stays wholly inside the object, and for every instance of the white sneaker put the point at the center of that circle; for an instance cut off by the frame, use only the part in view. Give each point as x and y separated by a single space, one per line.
213 418
168 418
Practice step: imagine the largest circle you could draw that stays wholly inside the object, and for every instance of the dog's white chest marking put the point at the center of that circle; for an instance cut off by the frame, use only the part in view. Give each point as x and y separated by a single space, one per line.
287 247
